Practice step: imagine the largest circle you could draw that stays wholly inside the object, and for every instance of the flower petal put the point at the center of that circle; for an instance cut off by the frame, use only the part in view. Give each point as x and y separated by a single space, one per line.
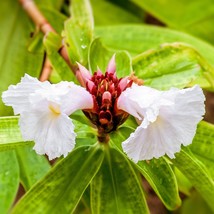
53 134
17 96
44 110
169 119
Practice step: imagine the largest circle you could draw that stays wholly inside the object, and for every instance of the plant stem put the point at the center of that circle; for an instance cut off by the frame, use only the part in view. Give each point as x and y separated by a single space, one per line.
40 21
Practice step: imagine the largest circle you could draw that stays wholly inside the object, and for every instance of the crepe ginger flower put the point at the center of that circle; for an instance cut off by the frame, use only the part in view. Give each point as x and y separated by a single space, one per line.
167 119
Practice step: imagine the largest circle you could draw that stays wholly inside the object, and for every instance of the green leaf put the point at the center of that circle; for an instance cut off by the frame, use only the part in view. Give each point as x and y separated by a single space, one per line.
115 188
56 20
9 180
15 60
173 65
194 204
52 43
100 56
157 172
203 142
63 186
11 138
32 166
162 179
79 31
102 18
194 16
138 38
184 184
203 145
10 135
197 174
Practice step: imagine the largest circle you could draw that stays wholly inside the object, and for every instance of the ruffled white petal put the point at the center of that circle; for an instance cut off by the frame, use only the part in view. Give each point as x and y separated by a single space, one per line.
44 110
53 134
169 119
17 96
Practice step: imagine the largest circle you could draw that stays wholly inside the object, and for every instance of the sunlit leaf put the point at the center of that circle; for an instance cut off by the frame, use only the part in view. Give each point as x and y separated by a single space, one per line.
100 56
52 43
197 174
64 185
102 18
9 179
116 184
10 135
203 145
157 172
32 166
79 31
15 60
139 38
173 65
194 16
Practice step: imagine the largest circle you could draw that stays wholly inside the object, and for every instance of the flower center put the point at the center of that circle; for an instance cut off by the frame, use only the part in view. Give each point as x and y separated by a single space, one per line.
105 90
55 110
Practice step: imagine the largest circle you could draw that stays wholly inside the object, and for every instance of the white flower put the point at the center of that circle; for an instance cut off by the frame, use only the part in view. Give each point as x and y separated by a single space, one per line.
169 119
44 110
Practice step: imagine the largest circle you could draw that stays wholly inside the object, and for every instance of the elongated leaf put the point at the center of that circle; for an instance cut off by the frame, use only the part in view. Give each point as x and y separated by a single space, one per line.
15 60
116 184
139 38
194 16
157 172
9 179
10 135
100 56
52 43
173 65
102 18
197 174
32 166
162 179
63 186
203 145
79 31
11 138
203 142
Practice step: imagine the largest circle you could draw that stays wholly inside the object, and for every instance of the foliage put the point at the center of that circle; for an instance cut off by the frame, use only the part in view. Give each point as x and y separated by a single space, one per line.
96 178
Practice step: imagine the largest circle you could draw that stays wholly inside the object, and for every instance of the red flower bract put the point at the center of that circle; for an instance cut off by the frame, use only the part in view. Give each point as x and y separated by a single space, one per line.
105 90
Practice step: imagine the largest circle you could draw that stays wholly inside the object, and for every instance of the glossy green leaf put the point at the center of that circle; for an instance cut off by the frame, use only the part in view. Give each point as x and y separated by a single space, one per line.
197 174
100 56
203 142
102 18
115 188
138 38
157 172
9 180
15 60
173 65
203 145
194 16
162 179
32 166
52 43
79 31
10 135
11 138
184 184
64 185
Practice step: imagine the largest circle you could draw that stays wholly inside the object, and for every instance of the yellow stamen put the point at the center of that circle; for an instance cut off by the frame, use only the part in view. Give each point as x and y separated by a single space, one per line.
55 109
